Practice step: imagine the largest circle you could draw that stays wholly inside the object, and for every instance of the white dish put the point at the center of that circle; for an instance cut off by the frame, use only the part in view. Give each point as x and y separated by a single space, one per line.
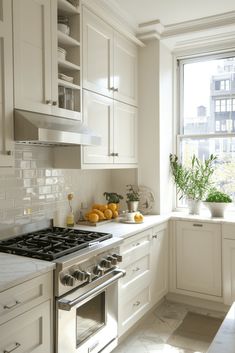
130 222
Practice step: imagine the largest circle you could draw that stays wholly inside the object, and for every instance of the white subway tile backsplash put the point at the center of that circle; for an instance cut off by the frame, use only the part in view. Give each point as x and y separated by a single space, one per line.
34 191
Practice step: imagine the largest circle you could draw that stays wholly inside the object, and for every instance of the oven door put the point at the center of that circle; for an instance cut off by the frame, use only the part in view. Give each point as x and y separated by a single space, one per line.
87 318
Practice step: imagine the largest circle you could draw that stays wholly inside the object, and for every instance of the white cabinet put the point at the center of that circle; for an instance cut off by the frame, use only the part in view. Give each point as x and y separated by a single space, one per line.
29 332
116 123
36 62
109 61
228 232
33 55
26 316
198 258
134 288
159 263
6 86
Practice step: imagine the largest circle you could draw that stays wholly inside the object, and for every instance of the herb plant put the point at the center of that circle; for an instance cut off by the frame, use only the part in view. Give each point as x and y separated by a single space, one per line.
132 194
112 197
194 181
218 196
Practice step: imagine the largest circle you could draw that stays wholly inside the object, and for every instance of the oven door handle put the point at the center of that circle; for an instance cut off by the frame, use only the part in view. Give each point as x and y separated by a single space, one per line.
67 305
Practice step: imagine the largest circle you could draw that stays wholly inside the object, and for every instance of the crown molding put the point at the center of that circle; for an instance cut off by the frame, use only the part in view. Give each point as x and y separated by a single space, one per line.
191 33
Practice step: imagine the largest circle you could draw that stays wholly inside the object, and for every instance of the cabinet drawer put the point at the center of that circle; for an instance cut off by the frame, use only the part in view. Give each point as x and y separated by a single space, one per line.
24 296
134 309
228 231
29 332
136 270
136 247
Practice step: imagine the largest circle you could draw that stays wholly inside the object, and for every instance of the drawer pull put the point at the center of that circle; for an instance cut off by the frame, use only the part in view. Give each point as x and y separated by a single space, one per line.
17 345
198 225
136 303
136 244
155 236
11 306
136 269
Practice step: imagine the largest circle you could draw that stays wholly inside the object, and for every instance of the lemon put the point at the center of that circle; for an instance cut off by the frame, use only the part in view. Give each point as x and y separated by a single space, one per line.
93 217
108 214
112 206
138 218
115 214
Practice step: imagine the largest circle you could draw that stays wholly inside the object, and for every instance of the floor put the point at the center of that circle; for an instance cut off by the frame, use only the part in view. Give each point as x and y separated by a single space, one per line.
168 330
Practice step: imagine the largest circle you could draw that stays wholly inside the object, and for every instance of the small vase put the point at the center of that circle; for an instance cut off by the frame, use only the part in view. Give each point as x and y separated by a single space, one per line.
216 208
132 206
194 206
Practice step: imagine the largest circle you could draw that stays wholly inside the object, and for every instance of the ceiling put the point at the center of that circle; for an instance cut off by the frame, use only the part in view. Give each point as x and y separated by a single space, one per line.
172 11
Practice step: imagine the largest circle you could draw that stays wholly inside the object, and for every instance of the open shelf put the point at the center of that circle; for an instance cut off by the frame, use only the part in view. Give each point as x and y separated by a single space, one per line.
66 40
68 84
64 64
65 7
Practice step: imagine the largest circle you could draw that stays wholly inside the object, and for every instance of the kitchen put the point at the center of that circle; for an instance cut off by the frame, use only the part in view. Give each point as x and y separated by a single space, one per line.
35 180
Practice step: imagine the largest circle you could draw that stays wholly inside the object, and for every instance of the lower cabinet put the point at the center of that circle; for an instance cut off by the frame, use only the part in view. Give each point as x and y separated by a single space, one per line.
145 261
198 258
29 332
159 263
228 256
26 316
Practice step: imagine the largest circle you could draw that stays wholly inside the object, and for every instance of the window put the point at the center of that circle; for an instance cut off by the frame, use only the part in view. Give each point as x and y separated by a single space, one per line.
209 82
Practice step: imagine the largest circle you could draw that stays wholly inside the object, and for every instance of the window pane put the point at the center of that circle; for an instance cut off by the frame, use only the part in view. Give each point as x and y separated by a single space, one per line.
208 96
224 148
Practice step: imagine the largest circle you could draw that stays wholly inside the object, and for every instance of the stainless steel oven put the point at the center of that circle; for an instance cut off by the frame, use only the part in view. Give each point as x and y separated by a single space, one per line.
87 317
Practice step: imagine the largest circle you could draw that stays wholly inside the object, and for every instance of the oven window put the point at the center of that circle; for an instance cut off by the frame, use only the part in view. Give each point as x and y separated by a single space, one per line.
90 317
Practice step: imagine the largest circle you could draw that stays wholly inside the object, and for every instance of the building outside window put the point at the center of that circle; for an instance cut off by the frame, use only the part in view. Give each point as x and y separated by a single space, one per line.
207 114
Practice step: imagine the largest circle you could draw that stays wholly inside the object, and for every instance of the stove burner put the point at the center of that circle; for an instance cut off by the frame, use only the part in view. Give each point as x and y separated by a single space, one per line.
51 243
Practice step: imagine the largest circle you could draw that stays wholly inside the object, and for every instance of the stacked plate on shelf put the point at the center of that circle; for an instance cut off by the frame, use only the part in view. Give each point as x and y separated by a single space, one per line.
61 52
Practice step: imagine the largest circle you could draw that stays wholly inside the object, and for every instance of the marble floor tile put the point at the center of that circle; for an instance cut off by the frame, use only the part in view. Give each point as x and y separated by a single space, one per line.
153 333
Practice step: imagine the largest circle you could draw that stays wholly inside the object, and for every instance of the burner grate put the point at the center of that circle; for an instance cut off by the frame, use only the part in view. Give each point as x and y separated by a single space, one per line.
51 243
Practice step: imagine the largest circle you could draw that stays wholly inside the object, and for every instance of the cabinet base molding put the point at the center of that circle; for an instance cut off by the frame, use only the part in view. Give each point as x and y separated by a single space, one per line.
197 302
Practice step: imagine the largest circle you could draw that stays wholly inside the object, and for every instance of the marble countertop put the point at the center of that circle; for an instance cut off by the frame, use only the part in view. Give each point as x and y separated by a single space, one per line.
204 216
224 341
124 230
15 269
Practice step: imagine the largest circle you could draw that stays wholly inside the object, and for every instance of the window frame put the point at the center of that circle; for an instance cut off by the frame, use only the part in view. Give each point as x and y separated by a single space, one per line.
180 62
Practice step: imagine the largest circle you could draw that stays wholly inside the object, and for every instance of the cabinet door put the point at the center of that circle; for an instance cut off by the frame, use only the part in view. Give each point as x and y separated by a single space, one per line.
125 70
125 133
198 256
32 54
29 332
229 271
97 54
159 265
6 86
98 115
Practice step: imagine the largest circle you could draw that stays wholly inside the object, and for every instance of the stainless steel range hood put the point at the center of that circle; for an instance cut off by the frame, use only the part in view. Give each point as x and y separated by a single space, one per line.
35 128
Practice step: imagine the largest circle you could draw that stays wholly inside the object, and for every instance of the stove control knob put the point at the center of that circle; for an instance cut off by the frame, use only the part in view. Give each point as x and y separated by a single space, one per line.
118 257
98 270
88 276
112 259
79 275
68 280
106 263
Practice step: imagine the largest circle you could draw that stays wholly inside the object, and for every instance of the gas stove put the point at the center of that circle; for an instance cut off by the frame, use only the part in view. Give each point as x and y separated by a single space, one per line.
52 243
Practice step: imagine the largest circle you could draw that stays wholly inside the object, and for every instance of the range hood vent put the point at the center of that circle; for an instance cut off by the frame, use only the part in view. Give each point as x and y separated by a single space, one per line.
42 129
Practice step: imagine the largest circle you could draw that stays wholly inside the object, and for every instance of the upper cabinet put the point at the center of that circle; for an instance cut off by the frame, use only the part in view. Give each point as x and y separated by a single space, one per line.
47 57
6 86
109 61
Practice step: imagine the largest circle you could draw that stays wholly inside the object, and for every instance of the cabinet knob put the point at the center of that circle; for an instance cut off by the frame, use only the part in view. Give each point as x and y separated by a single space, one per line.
136 303
54 103
11 306
154 236
9 153
115 90
48 101
112 89
112 154
116 154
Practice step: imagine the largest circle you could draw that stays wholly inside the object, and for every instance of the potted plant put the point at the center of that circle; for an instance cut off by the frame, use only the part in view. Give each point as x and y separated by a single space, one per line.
193 182
133 198
217 202
113 197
